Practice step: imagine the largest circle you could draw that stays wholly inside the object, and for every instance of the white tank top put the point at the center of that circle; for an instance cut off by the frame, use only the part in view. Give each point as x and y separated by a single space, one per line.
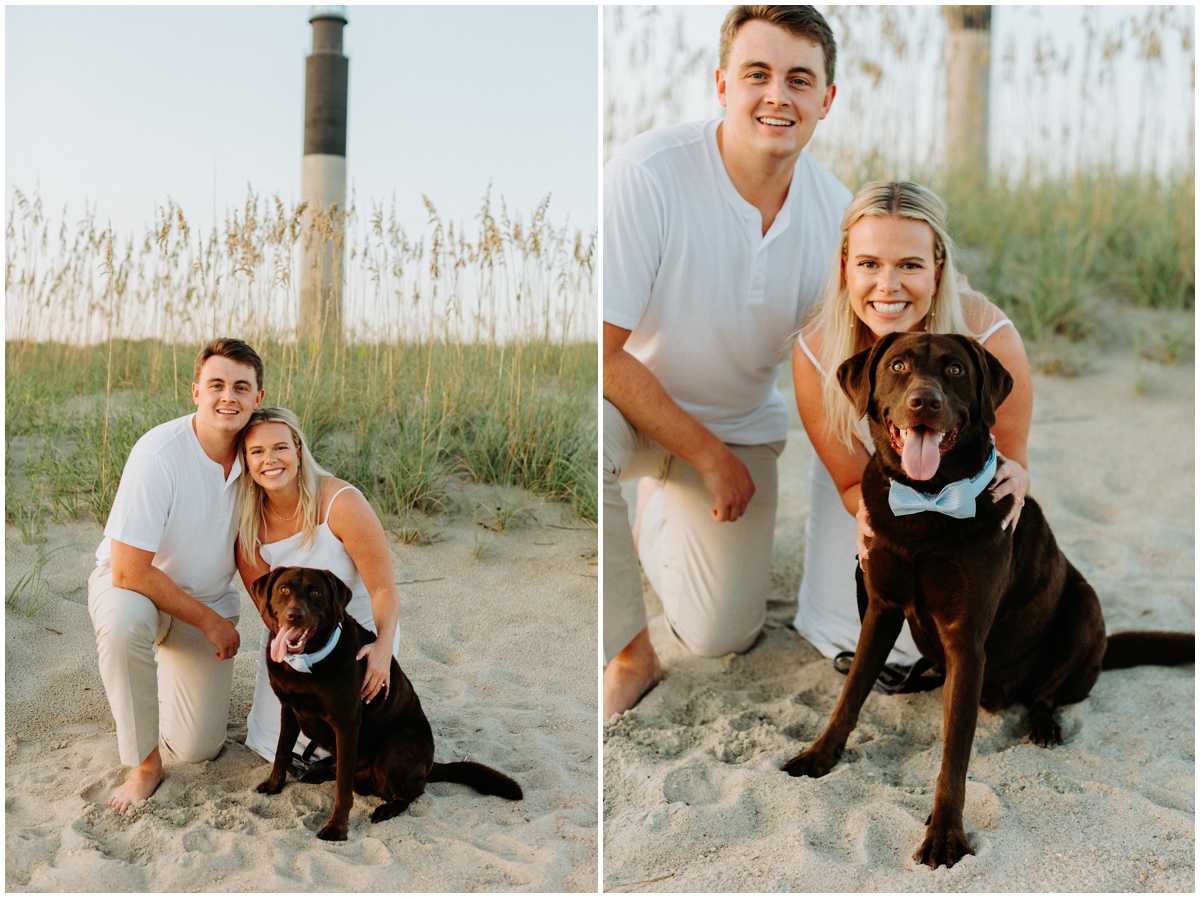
327 553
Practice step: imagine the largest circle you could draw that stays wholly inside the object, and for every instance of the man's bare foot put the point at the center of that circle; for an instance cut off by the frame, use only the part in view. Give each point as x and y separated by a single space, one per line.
646 488
142 782
630 675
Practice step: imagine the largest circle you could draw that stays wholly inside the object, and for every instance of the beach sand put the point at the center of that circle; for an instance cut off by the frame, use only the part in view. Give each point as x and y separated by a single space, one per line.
501 649
694 799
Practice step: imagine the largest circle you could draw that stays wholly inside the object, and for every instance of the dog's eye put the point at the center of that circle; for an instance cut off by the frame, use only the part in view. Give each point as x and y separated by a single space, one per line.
314 593
955 369
285 589
898 365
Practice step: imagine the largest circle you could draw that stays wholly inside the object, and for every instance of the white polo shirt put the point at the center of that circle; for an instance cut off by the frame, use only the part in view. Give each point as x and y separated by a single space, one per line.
175 501
711 301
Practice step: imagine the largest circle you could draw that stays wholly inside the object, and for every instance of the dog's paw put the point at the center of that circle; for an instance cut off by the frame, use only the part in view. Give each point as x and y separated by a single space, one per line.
333 832
1045 731
811 762
943 846
270 786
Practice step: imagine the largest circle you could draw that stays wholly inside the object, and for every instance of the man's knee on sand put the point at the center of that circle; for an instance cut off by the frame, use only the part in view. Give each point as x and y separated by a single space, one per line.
192 748
716 637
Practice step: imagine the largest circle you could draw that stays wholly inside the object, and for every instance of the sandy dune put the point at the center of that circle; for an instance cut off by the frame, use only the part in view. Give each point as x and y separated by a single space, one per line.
694 799
501 649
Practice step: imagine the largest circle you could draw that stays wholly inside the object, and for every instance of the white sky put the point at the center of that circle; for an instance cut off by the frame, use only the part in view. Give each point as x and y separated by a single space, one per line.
123 107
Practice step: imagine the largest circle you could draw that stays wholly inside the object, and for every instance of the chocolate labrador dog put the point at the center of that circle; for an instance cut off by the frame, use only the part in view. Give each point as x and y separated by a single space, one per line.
383 748
1002 611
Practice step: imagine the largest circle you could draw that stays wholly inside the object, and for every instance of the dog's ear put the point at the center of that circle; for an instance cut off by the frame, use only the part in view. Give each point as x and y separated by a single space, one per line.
341 595
856 375
994 381
260 592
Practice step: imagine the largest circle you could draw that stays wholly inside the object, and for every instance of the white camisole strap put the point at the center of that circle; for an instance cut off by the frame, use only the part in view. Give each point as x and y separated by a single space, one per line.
995 327
348 486
808 352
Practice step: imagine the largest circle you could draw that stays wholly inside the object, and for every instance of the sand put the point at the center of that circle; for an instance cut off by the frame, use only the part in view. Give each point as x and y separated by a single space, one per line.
694 799
501 649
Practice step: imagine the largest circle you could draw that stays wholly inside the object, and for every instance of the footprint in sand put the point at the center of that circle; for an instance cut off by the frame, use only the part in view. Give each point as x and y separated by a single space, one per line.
450 689
690 785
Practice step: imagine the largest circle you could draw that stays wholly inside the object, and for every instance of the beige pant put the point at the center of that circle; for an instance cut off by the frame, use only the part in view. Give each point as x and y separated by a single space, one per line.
712 577
180 696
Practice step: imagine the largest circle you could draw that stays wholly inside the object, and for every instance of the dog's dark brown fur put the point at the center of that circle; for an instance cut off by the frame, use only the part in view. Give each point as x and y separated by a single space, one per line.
1003 611
384 748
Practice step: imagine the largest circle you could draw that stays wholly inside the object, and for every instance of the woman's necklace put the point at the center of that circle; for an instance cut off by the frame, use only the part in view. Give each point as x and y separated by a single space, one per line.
281 517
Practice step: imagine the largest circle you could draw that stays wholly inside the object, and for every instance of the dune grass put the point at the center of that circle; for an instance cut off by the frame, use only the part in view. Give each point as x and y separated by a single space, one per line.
1042 249
415 393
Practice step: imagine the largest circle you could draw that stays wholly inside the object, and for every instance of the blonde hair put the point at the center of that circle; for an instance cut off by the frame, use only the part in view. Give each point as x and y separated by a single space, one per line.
251 499
842 332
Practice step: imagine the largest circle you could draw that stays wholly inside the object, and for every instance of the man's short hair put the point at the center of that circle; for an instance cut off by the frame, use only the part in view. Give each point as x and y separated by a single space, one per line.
233 349
801 21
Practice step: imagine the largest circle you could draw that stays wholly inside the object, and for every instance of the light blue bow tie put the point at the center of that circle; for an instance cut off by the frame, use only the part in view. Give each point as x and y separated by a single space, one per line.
304 663
957 500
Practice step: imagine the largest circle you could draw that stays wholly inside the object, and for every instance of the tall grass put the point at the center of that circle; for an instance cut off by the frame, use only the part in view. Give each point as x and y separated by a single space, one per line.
460 357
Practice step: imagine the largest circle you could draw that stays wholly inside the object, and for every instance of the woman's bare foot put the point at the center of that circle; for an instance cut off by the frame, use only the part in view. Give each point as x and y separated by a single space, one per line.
630 675
646 488
142 782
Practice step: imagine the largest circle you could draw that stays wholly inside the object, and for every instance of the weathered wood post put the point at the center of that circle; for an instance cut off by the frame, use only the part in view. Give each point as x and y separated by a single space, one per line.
323 177
968 60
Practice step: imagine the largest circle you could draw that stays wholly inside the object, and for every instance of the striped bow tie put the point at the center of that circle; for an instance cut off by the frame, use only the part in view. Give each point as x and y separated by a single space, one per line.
957 500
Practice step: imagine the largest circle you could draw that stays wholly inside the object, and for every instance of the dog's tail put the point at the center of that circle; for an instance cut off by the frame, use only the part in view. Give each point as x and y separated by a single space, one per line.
1137 647
478 777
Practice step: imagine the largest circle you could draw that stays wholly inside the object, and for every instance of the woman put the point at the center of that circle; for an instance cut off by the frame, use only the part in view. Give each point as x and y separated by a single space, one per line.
895 272
292 512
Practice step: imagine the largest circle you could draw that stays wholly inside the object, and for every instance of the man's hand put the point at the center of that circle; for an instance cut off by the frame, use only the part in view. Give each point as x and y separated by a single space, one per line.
727 480
224 637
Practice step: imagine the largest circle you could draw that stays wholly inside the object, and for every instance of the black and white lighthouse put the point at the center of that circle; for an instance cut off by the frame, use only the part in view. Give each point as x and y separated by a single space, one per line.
323 178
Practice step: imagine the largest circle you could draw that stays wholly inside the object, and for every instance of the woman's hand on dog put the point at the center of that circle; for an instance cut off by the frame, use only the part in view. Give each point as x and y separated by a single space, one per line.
379 669
1011 480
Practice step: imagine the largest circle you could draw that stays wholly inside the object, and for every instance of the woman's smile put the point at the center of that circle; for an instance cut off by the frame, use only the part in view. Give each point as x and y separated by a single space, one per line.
891 273
271 455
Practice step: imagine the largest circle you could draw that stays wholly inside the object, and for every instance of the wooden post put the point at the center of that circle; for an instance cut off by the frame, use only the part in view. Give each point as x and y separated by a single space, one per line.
968 60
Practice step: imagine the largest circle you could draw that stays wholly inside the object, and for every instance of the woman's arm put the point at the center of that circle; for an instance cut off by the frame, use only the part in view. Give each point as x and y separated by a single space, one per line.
845 466
251 571
1015 413
354 522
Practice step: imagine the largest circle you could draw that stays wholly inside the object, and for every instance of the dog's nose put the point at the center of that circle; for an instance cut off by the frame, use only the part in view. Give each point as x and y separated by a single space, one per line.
293 615
925 401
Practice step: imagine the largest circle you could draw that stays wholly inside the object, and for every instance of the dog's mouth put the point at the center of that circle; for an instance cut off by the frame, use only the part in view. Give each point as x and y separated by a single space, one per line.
290 640
921 448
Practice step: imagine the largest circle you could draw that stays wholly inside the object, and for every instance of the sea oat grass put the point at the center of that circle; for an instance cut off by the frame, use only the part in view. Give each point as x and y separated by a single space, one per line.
454 351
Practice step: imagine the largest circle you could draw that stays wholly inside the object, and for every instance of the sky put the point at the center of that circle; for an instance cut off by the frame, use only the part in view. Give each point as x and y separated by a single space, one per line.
122 108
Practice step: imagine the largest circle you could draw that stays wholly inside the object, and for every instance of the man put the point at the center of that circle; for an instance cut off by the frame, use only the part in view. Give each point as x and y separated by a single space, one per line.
718 237
164 576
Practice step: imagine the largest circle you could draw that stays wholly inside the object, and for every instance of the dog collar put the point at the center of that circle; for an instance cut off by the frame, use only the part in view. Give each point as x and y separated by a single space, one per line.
304 663
956 500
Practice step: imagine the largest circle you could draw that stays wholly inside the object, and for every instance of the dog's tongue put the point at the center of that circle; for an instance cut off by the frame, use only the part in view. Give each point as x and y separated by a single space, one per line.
921 457
282 638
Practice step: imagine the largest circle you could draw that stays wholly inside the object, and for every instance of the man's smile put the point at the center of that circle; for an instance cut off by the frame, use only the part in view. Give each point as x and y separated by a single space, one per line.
777 122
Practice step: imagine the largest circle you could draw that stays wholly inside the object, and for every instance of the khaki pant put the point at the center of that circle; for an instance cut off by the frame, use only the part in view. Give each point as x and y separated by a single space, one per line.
162 676
712 577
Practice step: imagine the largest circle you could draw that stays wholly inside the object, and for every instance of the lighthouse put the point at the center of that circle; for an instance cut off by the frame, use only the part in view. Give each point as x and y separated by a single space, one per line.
323 177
